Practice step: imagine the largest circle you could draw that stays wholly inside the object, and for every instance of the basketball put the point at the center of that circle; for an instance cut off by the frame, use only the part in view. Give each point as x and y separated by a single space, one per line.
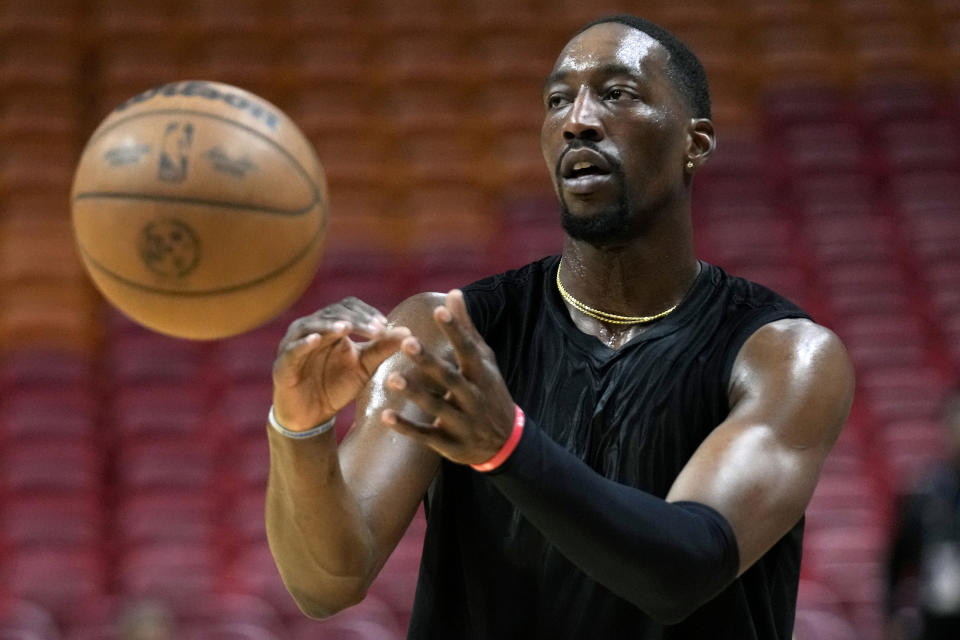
199 210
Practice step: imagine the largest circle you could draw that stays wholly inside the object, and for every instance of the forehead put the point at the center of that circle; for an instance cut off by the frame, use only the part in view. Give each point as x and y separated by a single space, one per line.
612 45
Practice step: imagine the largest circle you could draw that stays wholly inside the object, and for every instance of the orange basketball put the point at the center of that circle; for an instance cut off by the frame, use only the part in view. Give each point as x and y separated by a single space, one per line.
199 209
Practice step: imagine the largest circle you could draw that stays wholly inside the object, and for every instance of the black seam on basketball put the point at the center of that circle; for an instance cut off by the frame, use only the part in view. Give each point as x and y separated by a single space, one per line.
210 292
317 197
222 204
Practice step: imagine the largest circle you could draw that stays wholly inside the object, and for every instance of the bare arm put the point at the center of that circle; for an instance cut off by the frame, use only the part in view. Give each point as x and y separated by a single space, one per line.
335 514
791 390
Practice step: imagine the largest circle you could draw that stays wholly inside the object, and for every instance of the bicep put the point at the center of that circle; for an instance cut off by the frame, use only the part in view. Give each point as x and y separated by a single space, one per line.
388 473
791 388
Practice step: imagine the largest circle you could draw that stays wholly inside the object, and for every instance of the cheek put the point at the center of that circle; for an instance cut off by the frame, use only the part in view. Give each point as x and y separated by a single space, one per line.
549 149
658 154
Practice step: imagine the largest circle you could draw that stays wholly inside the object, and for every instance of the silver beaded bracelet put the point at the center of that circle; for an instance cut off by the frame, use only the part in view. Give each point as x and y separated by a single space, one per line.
299 435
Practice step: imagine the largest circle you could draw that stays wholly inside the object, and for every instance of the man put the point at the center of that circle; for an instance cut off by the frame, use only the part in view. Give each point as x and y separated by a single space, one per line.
616 443
926 546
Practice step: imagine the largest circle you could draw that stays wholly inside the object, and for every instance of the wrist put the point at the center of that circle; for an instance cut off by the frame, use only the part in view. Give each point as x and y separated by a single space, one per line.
508 447
316 430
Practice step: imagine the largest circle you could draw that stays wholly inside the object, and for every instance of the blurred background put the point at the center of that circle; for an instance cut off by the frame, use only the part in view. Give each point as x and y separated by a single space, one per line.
133 466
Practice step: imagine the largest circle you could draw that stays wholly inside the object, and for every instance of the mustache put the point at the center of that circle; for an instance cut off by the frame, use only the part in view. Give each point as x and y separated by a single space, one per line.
579 143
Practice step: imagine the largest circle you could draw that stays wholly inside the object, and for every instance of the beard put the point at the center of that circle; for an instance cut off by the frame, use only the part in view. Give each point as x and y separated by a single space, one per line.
605 226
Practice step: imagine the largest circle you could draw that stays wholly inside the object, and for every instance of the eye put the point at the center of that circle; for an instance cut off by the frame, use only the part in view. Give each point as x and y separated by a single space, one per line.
617 93
556 100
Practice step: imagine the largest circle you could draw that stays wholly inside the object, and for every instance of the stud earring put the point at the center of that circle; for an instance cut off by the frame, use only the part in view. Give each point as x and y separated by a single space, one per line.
689 164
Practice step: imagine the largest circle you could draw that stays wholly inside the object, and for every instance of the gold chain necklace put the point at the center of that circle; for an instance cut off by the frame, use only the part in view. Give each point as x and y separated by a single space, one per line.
603 316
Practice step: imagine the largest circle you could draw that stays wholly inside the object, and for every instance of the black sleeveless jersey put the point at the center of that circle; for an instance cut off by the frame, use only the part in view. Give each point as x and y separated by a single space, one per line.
635 415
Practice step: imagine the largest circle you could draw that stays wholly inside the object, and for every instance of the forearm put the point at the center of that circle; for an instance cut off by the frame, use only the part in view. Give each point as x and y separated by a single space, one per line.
319 538
667 559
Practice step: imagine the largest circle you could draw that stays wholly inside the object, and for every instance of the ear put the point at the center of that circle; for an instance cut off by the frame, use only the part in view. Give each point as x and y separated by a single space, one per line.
701 142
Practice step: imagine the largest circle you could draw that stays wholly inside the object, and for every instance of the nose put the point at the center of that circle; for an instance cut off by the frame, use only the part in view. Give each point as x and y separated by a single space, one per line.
583 119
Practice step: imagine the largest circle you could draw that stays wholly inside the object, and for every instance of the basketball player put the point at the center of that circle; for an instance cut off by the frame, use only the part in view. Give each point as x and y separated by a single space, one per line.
618 442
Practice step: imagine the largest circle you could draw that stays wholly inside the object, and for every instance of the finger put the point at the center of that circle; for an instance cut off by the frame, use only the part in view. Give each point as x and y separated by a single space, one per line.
428 434
324 325
443 373
362 323
374 352
296 350
458 306
456 325
361 307
432 404
294 354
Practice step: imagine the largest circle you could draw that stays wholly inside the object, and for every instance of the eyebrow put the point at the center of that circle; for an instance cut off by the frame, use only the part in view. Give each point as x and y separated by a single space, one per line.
608 69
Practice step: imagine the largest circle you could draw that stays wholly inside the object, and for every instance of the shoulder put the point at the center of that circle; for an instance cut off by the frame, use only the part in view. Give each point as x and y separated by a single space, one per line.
508 294
746 294
794 339
416 314
796 365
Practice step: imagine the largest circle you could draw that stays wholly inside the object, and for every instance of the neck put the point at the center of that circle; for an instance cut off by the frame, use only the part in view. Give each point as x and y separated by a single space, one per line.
642 277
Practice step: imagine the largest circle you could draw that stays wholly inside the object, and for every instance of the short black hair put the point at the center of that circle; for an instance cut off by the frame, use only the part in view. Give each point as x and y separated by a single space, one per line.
684 67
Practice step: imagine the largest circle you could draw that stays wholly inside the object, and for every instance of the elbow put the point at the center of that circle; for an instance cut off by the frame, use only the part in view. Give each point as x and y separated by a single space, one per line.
320 606
676 603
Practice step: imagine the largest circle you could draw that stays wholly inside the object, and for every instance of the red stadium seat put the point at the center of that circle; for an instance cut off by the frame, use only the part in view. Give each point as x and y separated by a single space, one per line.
246 519
242 408
56 18
254 571
20 634
912 448
247 18
302 19
22 615
176 465
67 411
55 577
30 522
437 56
45 367
816 624
51 465
250 464
917 144
138 357
161 517
229 631
171 411
176 573
823 147
343 629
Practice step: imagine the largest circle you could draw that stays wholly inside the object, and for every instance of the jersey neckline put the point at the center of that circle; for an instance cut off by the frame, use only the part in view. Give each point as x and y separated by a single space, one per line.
694 300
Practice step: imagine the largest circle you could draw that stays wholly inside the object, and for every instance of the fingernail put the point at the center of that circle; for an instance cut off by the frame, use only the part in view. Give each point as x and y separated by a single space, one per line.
341 325
444 314
397 381
411 346
389 416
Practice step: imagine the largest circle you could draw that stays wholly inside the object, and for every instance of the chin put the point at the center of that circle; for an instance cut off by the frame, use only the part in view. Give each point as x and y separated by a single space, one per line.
599 226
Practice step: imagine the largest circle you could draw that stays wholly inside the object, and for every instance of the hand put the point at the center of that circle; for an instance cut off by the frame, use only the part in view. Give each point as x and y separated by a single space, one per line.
473 408
319 369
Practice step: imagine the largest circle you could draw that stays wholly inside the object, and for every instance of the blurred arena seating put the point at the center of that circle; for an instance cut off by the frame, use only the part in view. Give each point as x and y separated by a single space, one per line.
133 466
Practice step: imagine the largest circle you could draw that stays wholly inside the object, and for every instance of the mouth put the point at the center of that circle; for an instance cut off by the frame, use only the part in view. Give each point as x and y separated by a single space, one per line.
584 170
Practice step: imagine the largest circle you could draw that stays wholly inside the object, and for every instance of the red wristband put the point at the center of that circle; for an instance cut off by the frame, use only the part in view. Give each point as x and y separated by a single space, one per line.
501 456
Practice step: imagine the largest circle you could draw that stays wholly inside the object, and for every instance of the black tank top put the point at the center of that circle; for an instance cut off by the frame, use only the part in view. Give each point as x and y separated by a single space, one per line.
636 415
